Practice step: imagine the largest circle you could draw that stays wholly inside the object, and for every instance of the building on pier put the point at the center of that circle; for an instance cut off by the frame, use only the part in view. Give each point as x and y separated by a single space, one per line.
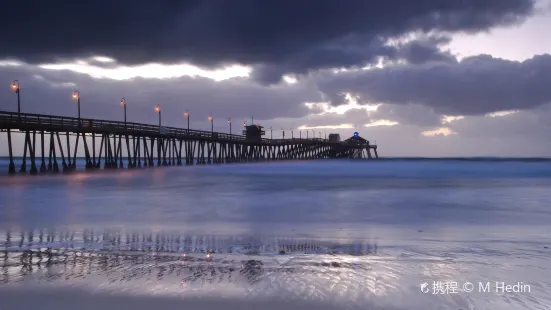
253 133
356 140
358 144
334 137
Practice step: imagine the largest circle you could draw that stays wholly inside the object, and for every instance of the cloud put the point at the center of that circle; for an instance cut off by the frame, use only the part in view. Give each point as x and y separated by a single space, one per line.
449 118
474 86
381 122
112 70
277 36
410 114
523 125
525 133
427 50
441 131
49 92
502 113
421 89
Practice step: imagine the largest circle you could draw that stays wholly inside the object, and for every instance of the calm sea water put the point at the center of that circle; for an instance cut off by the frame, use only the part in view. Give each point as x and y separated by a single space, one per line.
325 234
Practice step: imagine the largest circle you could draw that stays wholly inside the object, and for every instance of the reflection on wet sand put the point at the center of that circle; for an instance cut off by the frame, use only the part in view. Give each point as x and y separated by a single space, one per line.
343 273
193 258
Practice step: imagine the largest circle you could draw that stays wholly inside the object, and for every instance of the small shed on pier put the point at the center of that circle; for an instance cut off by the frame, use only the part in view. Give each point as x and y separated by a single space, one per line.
254 133
334 137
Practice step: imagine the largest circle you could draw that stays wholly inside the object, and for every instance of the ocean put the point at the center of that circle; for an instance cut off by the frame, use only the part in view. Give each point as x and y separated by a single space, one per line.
330 234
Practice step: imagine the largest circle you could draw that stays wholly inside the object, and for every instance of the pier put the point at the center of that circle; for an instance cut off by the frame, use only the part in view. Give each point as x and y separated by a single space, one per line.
134 145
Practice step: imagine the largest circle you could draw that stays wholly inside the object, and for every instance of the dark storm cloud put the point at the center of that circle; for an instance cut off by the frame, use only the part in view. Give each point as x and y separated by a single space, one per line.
281 36
474 86
422 51
343 53
409 114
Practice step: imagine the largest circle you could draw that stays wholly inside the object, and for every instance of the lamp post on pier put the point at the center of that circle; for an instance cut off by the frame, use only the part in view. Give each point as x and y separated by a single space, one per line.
186 114
76 96
123 103
229 122
16 89
283 131
211 120
320 134
271 135
158 109
292 136
300 134
306 133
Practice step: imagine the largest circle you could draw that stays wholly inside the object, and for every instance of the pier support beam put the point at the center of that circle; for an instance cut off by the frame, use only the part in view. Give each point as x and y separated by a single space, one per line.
32 148
42 149
23 168
11 166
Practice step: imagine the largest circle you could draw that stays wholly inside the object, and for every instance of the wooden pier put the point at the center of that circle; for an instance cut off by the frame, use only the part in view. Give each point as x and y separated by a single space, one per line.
135 145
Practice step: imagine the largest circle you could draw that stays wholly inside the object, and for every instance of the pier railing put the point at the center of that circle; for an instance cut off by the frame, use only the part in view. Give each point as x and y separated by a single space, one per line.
14 120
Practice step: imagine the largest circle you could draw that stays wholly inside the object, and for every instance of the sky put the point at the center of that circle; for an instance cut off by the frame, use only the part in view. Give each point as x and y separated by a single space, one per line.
432 78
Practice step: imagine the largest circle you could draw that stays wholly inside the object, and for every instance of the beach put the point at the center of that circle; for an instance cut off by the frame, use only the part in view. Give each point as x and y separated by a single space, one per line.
328 234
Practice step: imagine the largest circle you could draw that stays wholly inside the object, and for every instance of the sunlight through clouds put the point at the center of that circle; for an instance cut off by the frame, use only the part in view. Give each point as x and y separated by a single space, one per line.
341 109
381 122
103 59
290 79
10 63
352 104
151 70
443 131
448 119
341 126
502 113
